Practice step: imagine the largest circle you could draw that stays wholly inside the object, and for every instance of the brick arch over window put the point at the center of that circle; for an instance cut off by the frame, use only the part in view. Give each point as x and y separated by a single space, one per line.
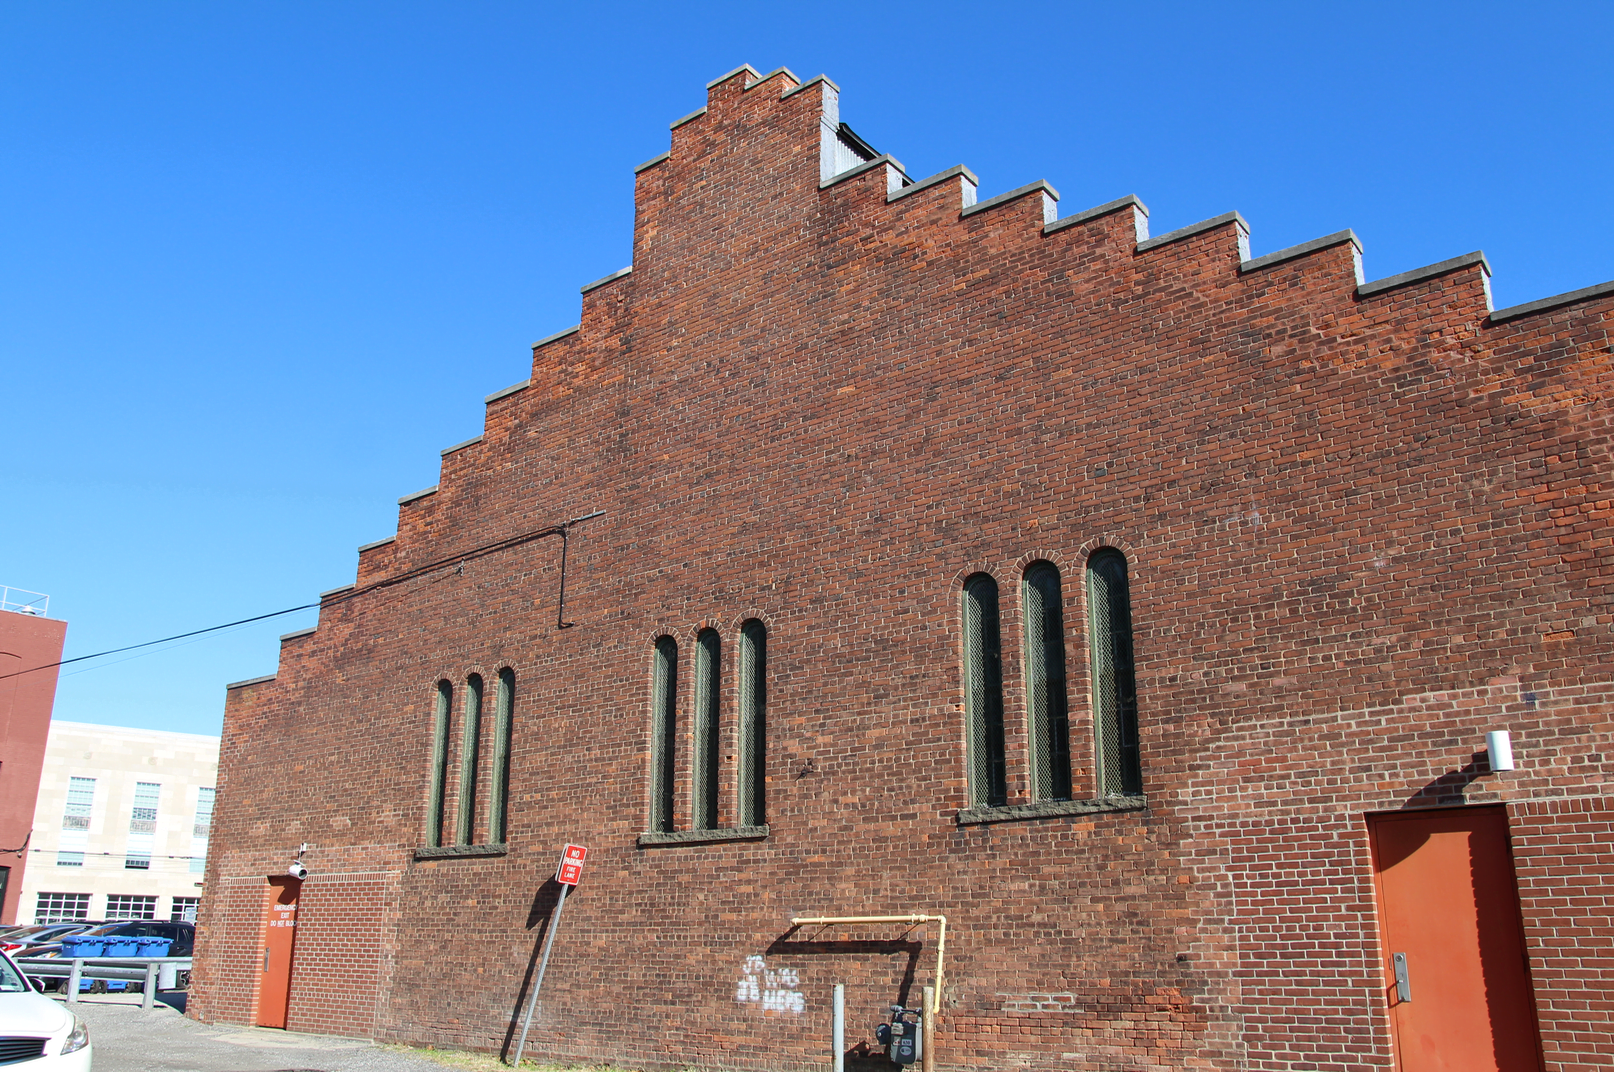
663 734
983 691
1115 694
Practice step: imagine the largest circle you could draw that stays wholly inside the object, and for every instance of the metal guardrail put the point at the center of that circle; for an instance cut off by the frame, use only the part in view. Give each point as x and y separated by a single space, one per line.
150 970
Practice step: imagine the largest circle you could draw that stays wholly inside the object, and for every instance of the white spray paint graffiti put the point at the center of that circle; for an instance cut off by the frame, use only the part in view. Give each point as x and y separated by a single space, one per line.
775 989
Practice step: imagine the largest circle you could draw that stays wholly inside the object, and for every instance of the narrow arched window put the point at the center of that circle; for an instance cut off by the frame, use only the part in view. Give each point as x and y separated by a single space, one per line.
441 723
1115 694
499 783
470 742
708 740
753 723
983 691
664 734
1045 683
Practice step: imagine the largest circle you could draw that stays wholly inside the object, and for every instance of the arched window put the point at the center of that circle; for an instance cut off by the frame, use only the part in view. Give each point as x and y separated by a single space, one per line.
1115 694
753 723
470 742
1045 683
708 740
499 787
983 691
440 734
664 734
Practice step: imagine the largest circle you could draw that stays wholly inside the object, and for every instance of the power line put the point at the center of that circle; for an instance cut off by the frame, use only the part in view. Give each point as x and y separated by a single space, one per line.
441 563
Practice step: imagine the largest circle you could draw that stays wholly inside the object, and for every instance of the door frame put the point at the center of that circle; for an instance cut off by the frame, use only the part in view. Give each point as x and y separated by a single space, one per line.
1384 981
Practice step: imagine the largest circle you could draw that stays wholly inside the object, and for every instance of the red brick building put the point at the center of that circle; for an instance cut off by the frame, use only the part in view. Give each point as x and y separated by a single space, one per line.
1140 605
30 648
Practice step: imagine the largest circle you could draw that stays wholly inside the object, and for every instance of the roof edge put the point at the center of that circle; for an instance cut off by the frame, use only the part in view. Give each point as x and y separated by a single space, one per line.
1193 229
1541 305
249 681
1268 259
931 180
612 278
1012 195
415 496
1418 275
1107 208
547 339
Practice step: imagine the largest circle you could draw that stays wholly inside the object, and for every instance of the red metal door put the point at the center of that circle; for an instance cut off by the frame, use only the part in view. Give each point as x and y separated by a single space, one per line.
1460 996
280 941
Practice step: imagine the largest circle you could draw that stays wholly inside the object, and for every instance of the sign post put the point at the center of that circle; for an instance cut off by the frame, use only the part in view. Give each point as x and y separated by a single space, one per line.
568 873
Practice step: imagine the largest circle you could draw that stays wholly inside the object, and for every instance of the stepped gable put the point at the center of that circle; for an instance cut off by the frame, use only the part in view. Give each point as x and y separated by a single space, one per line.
776 217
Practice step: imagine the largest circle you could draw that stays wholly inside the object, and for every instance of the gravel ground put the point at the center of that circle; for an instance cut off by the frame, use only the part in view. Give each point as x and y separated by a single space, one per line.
128 1039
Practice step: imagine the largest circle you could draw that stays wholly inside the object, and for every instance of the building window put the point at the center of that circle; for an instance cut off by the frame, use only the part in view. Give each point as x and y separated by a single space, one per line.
202 830
441 726
1046 699
664 734
62 907
470 741
184 910
753 723
75 834
708 739
983 692
1115 698
125 906
142 826
499 786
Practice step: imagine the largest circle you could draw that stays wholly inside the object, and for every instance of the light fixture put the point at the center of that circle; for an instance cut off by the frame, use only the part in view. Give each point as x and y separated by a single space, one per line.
1499 750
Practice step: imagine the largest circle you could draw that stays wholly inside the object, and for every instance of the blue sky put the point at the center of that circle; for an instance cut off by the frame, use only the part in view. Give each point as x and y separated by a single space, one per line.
259 262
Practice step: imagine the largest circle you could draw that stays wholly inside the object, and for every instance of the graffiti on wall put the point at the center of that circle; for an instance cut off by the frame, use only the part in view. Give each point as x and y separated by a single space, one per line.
777 990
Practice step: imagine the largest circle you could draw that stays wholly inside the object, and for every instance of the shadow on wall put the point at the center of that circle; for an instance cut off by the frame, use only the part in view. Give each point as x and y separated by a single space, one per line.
538 916
1450 787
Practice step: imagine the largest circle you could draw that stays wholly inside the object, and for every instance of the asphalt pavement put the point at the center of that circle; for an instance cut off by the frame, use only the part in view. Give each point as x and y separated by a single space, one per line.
129 1039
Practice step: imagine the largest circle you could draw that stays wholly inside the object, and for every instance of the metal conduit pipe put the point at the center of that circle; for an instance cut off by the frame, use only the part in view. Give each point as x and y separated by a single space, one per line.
935 994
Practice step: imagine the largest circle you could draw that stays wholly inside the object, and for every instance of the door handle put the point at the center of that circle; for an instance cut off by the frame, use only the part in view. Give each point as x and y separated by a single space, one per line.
1403 985
266 962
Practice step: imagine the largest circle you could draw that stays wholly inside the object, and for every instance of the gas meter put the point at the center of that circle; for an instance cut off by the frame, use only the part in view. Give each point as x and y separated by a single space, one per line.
903 1036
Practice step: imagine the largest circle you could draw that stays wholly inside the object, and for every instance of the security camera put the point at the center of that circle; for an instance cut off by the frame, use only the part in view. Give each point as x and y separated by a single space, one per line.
297 870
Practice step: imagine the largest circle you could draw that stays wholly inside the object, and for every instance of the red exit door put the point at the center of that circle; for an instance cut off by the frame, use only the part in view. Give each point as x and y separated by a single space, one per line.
1454 960
280 942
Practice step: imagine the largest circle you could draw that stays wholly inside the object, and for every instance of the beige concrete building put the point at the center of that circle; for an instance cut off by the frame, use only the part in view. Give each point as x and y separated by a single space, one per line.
121 824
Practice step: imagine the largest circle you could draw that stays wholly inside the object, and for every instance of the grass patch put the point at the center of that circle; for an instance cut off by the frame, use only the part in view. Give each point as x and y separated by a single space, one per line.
489 1062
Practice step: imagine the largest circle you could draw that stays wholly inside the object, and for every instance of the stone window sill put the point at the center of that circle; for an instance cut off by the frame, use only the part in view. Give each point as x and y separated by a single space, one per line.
450 852
1048 809
702 837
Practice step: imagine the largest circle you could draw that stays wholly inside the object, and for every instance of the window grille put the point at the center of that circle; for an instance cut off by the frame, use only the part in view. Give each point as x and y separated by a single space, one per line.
142 826
62 907
465 827
708 693
1115 699
753 723
184 909
664 734
130 906
202 830
983 691
1046 698
499 786
75 834
441 725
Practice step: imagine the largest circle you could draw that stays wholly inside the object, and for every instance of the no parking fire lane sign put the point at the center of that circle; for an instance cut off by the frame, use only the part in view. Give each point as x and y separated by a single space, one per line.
570 872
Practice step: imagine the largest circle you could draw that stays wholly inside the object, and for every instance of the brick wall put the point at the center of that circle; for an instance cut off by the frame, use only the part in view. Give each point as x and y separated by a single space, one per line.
1361 531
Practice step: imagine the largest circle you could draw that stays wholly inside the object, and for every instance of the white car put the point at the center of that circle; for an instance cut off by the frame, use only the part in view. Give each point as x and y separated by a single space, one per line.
37 1029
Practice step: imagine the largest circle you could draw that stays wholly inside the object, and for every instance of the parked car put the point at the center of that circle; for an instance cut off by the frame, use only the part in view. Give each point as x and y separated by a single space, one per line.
35 1029
23 938
182 934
